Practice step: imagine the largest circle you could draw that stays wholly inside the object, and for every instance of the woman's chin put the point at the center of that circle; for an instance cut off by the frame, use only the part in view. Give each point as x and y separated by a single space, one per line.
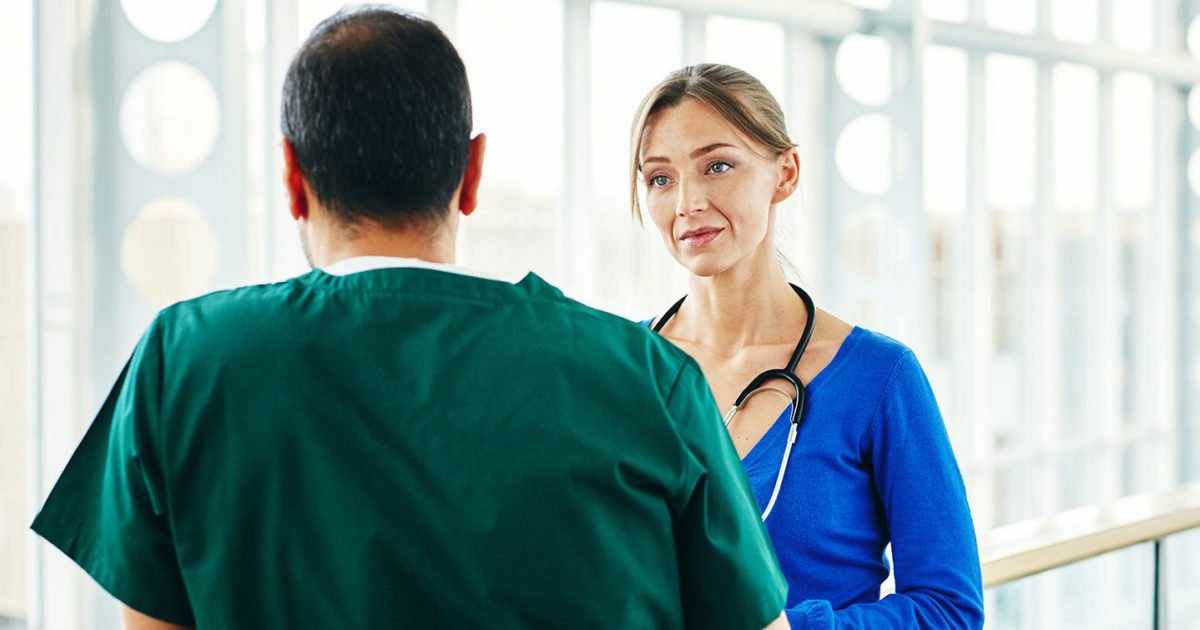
704 268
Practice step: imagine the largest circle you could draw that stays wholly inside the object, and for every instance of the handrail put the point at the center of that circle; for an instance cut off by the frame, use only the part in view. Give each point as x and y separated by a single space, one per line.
1022 549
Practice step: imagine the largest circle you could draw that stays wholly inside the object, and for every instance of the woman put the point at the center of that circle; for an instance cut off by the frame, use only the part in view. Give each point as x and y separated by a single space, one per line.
871 463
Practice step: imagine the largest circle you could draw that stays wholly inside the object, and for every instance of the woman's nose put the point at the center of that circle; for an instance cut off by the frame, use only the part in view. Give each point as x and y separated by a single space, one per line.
691 198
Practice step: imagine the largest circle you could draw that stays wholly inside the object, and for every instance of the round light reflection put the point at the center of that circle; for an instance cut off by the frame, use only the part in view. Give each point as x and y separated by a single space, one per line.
170 118
1193 37
168 20
1193 172
169 252
1193 106
863 154
863 68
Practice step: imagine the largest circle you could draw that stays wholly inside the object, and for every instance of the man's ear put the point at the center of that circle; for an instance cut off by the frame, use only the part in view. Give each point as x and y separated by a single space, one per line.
468 196
293 179
789 175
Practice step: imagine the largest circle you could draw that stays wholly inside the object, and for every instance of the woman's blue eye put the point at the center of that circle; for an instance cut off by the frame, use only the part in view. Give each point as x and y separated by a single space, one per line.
658 180
719 167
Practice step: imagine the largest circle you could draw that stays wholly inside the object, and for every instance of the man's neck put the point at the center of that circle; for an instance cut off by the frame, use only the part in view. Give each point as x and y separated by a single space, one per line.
366 238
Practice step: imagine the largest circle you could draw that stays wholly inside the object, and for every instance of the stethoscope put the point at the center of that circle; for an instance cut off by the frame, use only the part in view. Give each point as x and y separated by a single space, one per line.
756 385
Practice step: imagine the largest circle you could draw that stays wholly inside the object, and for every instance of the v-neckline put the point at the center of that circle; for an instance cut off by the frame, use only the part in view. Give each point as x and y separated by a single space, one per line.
780 425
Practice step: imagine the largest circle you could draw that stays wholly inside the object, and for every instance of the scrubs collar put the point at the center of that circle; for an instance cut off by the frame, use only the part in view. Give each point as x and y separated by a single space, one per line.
357 264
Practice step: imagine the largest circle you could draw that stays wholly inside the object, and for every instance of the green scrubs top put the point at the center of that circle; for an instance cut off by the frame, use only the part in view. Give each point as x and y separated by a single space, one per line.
413 448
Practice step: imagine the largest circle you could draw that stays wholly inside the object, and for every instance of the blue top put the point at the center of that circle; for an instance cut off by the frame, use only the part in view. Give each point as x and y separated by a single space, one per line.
872 464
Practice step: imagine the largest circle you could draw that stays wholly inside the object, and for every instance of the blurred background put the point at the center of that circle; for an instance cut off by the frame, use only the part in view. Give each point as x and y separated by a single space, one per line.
1010 187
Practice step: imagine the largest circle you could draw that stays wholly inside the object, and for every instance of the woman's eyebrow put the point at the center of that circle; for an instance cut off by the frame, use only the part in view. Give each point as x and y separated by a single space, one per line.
712 147
694 154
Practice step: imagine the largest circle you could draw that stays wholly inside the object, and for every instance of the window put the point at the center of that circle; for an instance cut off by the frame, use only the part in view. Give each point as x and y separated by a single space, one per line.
16 205
1028 222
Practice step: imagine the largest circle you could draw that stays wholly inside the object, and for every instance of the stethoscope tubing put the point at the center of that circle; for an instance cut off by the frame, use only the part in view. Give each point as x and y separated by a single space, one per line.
788 374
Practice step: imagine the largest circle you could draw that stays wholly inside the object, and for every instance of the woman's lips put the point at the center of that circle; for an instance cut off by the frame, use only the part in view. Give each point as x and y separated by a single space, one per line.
700 237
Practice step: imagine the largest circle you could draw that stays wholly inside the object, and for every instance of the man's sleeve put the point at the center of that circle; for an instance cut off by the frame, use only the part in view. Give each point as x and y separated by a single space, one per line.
107 511
728 571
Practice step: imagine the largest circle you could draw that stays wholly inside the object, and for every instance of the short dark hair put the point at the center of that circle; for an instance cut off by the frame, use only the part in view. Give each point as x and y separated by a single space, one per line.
377 108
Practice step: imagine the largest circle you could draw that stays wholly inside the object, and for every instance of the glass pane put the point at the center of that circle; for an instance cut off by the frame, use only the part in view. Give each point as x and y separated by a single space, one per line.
1109 592
170 118
944 268
1193 37
1074 20
1073 233
1138 466
1183 580
949 10
863 66
1190 448
1018 493
1079 474
752 45
16 207
863 154
514 229
1011 236
870 4
311 12
945 130
634 276
168 20
1010 104
170 252
945 146
1133 124
1074 127
261 123
1011 15
418 6
1133 24
1132 301
1074 131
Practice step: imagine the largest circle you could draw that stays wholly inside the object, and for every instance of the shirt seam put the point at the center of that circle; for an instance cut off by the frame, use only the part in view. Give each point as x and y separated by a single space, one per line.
675 384
876 414
525 298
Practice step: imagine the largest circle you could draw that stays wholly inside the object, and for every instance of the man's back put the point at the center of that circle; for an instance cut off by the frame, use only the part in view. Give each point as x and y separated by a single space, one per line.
412 447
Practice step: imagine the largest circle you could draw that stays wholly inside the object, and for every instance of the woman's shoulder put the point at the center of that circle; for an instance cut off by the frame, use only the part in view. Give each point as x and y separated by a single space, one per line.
872 361
877 346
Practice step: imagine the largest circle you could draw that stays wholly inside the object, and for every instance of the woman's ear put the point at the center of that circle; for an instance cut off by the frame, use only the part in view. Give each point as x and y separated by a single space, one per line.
789 175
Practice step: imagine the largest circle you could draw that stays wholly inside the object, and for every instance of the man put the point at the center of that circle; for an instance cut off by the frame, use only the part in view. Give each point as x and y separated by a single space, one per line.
392 441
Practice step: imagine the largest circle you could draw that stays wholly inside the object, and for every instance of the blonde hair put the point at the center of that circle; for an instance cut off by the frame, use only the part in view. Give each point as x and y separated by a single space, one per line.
733 93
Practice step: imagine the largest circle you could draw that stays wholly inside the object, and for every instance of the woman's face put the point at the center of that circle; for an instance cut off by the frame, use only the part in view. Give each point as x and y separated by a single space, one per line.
710 189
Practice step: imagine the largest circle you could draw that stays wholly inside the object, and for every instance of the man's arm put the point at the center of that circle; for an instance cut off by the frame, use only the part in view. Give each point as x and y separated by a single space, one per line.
780 623
728 572
135 620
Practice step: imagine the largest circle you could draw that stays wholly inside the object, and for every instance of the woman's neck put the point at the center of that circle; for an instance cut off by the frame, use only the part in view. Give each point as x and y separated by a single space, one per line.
747 305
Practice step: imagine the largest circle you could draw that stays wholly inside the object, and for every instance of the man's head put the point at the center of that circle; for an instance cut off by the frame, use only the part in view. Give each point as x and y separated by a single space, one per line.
377 114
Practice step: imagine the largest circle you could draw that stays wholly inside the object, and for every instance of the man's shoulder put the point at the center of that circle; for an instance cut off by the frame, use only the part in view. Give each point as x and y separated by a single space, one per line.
237 309
586 320
577 332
